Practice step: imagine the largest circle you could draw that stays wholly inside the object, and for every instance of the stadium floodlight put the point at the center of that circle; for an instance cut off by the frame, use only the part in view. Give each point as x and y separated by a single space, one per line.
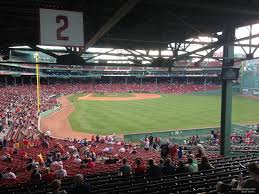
229 73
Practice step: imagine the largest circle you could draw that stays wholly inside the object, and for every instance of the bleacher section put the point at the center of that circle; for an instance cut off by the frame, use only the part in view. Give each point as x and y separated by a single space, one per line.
226 168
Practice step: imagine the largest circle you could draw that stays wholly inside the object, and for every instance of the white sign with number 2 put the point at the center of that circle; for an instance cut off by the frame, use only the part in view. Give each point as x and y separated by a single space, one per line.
61 28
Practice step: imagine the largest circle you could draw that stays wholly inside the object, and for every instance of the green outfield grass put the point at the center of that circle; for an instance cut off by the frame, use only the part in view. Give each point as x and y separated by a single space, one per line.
166 113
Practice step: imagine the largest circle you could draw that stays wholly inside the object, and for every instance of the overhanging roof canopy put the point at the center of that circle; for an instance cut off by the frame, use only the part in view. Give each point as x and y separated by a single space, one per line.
150 24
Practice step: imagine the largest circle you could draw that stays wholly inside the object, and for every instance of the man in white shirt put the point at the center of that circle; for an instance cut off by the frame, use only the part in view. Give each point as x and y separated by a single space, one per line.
9 175
77 159
146 144
201 150
61 173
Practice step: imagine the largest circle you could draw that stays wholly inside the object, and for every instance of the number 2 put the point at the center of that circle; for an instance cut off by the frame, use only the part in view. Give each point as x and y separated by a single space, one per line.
62 28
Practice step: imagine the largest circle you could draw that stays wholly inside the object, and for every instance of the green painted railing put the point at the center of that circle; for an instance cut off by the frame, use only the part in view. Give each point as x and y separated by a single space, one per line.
181 135
48 112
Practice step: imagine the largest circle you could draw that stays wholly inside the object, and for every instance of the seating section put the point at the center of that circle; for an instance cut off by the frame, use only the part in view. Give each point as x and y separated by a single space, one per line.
225 170
18 165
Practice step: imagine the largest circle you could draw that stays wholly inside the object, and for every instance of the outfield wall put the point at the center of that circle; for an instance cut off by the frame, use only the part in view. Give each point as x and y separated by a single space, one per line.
235 89
48 112
179 136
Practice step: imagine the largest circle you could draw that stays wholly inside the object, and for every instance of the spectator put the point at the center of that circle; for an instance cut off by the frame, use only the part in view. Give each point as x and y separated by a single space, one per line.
164 150
45 143
139 170
151 139
90 163
201 150
56 186
157 141
134 151
4 142
161 163
180 152
193 167
153 170
252 184
35 176
193 158
205 164
173 152
97 138
93 156
168 169
146 144
77 159
81 187
8 158
125 170
31 164
9 174
48 176
49 160
182 168
61 173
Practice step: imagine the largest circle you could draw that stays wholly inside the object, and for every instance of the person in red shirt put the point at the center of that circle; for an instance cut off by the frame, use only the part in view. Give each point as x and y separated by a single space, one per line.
48 176
139 170
23 154
173 152
26 143
90 163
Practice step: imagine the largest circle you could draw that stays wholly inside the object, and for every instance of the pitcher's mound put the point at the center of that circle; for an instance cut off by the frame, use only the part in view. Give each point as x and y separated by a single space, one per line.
134 97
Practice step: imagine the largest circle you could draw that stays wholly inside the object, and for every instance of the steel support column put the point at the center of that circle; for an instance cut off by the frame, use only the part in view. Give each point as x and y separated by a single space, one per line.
226 98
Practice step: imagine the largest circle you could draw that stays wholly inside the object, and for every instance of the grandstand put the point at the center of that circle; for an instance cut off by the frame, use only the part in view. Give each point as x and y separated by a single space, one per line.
55 55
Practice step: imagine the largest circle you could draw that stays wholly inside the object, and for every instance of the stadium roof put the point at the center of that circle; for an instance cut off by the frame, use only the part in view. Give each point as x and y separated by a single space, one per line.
129 24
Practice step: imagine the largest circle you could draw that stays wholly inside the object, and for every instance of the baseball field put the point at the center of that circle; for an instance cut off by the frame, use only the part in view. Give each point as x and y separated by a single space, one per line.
108 113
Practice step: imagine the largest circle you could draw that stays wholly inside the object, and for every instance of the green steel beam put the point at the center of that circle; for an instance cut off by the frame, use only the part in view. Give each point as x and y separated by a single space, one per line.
226 98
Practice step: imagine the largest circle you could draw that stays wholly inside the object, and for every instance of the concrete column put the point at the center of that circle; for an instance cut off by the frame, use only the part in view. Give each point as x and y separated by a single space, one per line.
14 81
226 98
126 80
22 81
140 81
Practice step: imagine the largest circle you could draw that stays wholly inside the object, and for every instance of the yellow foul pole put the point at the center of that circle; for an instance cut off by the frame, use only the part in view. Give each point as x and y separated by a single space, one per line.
38 82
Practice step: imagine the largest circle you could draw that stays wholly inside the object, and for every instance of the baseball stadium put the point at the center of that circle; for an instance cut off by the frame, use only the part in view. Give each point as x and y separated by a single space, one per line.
129 96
